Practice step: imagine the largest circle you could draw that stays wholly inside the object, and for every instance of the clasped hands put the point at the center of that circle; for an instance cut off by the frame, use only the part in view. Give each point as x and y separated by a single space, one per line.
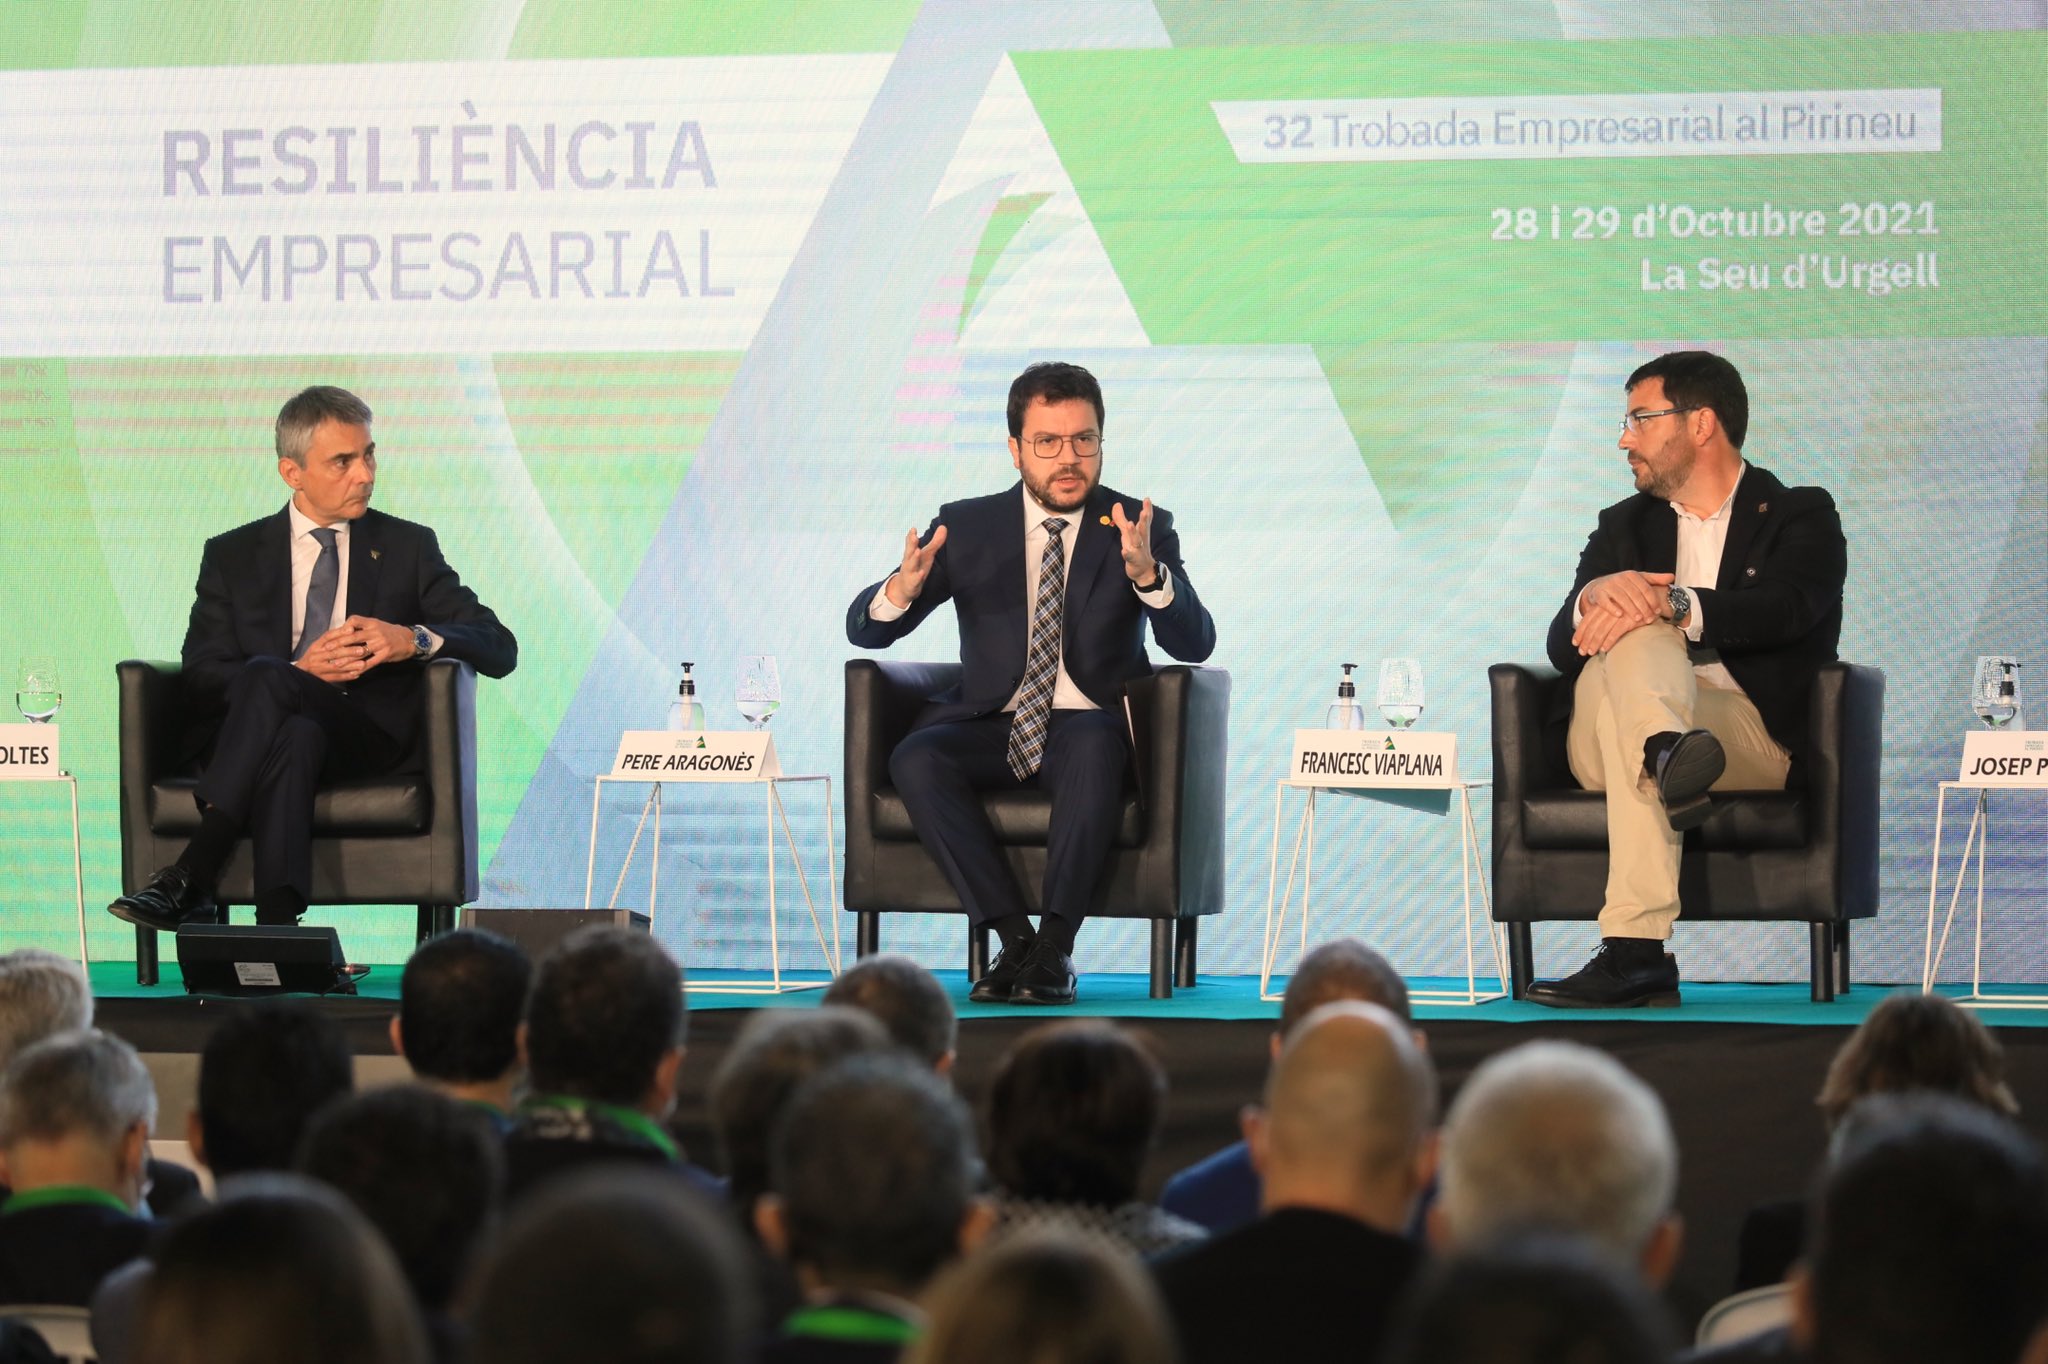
1614 605
354 647
1139 566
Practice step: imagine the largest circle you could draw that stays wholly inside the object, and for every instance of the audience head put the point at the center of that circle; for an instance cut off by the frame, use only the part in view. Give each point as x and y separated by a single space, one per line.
1915 1041
774 1053
1343 968
605 1020
909 1002
1046 1295
459 1004
1930 1239
1073 1108
426 1171
1531 1299
280 1268
76 1108
1553 1135
623 1265
267 1069
1348 1112
872 1171
41 994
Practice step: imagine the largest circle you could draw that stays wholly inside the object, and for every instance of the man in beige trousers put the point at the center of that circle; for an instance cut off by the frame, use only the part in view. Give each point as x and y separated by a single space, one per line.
1702 609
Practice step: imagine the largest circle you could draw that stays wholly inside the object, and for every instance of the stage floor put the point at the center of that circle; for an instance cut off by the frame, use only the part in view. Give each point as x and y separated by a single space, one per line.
1236 998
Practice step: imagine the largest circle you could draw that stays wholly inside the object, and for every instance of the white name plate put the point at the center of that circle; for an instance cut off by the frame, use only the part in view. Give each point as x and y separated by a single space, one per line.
1373 758
28 753
690 755
2008 758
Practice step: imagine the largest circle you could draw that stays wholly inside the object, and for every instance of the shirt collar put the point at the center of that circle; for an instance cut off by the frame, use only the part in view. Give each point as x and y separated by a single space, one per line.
304 525
55 1195
1721 512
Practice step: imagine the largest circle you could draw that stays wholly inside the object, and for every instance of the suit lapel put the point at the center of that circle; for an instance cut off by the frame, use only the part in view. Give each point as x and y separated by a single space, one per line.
1093 543
274 578
365 564
1746 517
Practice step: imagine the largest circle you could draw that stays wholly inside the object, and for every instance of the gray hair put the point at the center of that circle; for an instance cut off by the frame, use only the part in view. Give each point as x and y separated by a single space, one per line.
75 1082
1553 1135
303 413
41 994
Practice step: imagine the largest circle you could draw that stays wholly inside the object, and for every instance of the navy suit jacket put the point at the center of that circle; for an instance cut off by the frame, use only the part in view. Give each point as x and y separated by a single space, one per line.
981 570
243 609
1775 611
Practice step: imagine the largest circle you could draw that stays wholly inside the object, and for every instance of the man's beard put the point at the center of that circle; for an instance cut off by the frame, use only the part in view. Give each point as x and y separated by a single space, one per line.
1043 491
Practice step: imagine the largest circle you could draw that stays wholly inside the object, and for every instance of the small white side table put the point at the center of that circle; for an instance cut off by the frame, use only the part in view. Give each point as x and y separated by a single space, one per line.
775 812
77 858
1303 862
1975 843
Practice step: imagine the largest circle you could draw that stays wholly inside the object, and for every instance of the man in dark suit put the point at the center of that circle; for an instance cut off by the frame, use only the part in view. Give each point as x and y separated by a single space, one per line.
1054 581
303 660
1343 1145
1703 607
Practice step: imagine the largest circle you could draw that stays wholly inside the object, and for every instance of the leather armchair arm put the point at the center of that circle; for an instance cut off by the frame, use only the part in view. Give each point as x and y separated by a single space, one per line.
448 755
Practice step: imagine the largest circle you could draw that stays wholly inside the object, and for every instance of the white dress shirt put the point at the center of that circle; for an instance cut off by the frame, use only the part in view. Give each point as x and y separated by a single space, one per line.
1065 695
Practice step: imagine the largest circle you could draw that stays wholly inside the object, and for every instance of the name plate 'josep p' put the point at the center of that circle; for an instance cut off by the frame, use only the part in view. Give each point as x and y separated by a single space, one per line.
2010 758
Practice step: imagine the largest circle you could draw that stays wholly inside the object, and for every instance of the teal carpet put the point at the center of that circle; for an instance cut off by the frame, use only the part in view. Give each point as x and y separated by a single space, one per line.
1237 997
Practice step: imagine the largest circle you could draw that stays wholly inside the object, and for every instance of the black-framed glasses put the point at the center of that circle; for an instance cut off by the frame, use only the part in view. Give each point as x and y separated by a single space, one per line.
1087 445
1634 420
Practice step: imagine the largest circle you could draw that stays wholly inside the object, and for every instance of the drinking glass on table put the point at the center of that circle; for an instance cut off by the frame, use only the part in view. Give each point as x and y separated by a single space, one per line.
38 692
759 692
1400 691
1995 691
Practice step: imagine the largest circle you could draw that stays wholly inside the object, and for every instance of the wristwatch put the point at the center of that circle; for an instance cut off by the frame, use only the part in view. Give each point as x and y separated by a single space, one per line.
1158 580
1681 604
422 642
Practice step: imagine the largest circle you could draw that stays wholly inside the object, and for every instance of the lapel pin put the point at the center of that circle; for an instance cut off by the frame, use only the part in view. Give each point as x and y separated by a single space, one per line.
1762 507
1103 519
376 554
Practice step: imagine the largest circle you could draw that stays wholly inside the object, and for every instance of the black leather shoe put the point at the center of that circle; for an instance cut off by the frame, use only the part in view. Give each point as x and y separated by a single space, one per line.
1626 973
1684 766
1001 977
1047 977
168 900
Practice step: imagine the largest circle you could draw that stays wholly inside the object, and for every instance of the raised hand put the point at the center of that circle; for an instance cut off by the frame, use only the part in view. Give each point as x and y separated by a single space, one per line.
907 582
1139 565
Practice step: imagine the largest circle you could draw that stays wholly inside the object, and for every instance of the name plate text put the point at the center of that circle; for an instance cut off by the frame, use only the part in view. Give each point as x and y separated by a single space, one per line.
690 755
1369 758
2007 758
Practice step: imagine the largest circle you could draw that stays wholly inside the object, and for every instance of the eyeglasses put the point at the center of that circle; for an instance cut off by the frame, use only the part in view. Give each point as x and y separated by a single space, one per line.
1087 445
1633 422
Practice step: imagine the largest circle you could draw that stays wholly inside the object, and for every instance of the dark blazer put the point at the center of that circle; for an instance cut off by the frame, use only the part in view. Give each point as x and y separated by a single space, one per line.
243 609
1774 613
981 570
58 1253
1298 1284
1220 1192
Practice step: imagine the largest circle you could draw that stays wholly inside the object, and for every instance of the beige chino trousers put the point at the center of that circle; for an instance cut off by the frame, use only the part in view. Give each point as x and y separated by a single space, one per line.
1646 685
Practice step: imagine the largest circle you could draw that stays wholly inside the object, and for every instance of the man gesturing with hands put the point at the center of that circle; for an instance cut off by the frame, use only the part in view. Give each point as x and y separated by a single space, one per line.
303 659
1703 607
1054 582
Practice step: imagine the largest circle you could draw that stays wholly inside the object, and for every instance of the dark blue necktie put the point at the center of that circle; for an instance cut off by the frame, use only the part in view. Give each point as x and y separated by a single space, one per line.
320 591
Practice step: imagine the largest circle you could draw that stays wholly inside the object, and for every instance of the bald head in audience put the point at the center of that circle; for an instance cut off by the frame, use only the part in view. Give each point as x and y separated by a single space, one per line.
1556 1136
1347 1117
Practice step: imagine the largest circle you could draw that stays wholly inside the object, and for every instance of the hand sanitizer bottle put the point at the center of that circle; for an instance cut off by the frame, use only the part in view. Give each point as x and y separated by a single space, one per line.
685 712
1345 712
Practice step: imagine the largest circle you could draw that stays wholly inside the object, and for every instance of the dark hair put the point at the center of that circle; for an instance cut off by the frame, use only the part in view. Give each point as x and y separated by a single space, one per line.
280 1268
459 1002
606 1007
303 413
906 998
874 1160
1052 381
424 1168
1698 378
1531 1299
1046 1295
1343 968
774 1053
1930 1242
618 1264
1072 1110
1916 1041
267 1069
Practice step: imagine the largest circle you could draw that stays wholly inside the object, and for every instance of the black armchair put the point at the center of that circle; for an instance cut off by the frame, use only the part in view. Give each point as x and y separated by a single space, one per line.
1806 854
1165 864
408 838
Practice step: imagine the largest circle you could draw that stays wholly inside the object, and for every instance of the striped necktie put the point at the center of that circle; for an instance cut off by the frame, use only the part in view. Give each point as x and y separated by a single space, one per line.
1042 659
